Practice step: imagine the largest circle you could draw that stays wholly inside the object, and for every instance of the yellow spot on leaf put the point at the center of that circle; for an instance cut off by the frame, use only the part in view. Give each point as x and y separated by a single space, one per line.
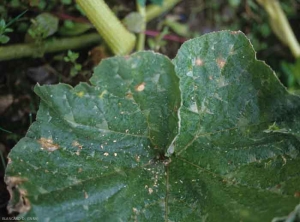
102 94
48 144
80 94
140 87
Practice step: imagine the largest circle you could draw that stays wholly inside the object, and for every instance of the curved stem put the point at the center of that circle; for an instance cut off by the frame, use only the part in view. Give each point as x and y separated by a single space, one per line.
280 25
31 50
117 37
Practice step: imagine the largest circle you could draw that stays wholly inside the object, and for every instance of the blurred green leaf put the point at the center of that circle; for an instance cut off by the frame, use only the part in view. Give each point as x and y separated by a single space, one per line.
66 2
133 22
292 73
43 26
4 39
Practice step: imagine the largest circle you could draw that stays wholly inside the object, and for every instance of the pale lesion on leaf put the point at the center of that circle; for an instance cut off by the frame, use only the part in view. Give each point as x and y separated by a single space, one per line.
199 62
48 144
220 62
18 196
78 145
140 87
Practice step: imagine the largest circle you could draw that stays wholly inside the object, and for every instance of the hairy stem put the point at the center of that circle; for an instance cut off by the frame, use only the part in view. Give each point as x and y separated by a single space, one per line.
117 37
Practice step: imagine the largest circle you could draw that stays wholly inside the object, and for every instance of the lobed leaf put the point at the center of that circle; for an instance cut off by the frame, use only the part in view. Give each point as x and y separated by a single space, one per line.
120 150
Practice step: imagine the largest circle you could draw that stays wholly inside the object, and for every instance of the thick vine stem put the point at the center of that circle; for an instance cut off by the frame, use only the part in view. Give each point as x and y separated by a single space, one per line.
280 25
54 45
117 37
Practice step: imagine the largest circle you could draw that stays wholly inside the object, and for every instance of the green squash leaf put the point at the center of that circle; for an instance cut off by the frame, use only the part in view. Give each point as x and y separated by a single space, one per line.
212 136
94 151
239 134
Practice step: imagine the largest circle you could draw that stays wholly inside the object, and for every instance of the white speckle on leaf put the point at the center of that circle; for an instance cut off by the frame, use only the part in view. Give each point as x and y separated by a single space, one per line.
155 78
137 158
193 107
189 73
106 154
115 154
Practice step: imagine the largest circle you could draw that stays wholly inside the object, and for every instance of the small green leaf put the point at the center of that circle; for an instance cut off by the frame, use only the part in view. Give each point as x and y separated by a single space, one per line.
8 30
4 39
78 67
2 24
43 26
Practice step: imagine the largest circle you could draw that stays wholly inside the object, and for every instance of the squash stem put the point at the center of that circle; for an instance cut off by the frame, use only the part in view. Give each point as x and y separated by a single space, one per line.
117 37
280 25
17 51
